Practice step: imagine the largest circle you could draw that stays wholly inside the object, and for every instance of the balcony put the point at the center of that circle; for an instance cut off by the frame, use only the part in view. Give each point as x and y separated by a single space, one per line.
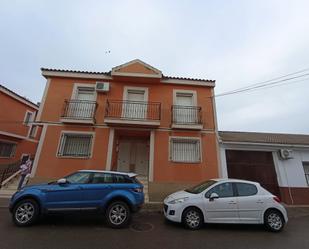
187 117
132 113
79 111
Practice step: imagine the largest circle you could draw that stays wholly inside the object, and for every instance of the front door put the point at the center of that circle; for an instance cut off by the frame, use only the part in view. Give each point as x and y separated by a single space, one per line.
69 195
223 209
133 156
135 106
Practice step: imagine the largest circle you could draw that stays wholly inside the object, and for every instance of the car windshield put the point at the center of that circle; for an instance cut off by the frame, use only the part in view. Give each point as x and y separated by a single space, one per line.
200 187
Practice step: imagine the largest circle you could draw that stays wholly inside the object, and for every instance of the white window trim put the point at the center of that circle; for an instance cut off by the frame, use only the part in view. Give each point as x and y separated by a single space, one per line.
13 153
77 85
193 92
127 88
184 138
35 132
305 164
30 120
76 133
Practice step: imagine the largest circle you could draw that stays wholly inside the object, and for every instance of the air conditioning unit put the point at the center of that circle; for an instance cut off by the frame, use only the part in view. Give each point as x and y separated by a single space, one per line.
102 86
286 154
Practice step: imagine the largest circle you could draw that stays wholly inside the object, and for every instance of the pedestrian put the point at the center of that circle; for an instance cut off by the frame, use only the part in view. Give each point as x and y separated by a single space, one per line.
25 170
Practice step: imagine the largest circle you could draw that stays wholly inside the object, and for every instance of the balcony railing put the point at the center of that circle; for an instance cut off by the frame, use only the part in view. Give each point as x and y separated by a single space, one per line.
79 110
186 115
133 110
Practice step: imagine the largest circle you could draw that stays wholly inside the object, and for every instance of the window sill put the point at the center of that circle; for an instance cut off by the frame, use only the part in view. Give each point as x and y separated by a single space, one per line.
73 157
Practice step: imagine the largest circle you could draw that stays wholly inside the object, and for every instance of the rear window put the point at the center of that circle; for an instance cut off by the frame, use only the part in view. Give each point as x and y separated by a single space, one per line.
246 189
122 179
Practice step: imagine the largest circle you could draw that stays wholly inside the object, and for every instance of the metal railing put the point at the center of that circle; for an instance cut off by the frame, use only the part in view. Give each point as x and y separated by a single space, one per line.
79 109
8 170
186 115
133 110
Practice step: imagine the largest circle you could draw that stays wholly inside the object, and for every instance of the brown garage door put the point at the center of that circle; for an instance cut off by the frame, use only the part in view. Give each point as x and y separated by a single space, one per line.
254 166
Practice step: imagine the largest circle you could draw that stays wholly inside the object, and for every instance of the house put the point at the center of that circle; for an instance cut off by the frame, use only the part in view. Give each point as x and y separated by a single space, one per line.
18 135
132 118
280 162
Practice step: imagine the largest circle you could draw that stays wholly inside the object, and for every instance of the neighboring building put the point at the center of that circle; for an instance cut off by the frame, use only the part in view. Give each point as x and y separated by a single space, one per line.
280 162
18 135
132 118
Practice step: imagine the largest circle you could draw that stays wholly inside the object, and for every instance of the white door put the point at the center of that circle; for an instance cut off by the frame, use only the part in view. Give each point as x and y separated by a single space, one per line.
250 204
124 156
223 209
133 156
135 106
183 111
142 158
83 107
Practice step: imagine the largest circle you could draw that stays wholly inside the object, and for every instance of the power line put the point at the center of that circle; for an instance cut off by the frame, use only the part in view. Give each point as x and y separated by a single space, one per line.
261 85
276 78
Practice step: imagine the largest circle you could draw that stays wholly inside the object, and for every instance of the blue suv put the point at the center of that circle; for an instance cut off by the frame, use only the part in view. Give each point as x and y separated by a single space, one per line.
114 194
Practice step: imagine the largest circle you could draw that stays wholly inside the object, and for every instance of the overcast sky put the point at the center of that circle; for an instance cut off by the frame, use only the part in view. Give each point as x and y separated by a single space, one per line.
235 42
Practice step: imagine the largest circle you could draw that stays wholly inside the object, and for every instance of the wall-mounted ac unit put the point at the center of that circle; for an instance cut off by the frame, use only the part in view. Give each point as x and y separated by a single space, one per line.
102 86
286 154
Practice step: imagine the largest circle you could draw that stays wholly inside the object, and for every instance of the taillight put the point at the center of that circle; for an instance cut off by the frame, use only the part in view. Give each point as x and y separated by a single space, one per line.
138 190
277 199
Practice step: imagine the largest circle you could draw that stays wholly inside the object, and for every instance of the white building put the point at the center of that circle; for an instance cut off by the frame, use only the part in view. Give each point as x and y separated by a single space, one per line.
280 162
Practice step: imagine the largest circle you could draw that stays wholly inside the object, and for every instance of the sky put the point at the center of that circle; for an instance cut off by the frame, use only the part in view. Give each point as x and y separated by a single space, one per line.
235 42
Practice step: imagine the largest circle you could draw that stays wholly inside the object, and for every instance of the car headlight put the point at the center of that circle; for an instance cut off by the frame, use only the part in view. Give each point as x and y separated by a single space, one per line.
180 200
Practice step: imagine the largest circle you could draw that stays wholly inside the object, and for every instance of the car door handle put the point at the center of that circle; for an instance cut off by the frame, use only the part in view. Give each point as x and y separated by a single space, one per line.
232 202
260 202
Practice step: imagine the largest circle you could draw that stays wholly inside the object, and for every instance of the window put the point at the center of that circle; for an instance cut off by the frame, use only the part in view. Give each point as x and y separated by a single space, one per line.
185 150
79 178
75 145
7 149
245 189
200 187
28 118
222 190
102 178
32 132
121 179
306 170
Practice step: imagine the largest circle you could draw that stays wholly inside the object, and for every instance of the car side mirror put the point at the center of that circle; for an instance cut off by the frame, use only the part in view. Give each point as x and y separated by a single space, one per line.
213 196
62 181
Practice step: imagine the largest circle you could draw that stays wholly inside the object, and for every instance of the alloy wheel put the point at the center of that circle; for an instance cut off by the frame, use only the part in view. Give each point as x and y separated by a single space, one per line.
25 212
193 219
274 220
117 214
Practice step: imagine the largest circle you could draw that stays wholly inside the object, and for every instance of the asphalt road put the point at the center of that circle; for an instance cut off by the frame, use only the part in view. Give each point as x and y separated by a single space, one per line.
148 230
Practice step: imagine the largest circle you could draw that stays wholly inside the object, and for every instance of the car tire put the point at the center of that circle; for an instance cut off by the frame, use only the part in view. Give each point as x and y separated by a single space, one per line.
118 214
273 220
192 218
25 213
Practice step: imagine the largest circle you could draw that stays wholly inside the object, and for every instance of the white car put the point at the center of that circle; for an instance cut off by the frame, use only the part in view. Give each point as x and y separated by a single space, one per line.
226 201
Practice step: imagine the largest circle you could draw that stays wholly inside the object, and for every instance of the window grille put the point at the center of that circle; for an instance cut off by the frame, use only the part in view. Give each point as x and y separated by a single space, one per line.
7 149
185 150
75 145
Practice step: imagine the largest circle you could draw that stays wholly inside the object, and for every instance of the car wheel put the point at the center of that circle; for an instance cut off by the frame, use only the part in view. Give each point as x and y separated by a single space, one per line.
193 218
118 214
25 213
274 221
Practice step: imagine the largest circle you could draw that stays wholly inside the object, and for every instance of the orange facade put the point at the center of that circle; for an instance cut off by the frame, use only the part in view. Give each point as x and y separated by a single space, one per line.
18 134
133 124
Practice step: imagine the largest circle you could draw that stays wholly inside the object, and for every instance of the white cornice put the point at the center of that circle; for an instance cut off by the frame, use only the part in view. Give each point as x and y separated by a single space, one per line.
188 82
99 76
